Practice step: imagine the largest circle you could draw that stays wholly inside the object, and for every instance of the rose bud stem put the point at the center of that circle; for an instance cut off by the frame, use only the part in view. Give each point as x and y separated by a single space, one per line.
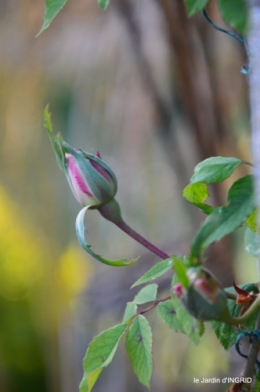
111 211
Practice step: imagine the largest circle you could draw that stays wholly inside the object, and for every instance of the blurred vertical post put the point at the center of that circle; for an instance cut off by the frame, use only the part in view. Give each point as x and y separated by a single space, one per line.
254 92
254 88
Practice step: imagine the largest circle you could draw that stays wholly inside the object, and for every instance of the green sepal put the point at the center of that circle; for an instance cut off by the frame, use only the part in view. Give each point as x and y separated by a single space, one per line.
80 231
102 164
181 272
56 140
227 334
100 188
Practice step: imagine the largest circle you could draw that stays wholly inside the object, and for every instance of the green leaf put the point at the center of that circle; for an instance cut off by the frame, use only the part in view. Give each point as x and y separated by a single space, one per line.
194 6
89 380
224 220
159 269
103 4
139 349
99 355
196 194
130 311
227 334
168 315
252 242
146 294
215 169
52 8
80 231
190 325
234 12
181 272
257 385
252 221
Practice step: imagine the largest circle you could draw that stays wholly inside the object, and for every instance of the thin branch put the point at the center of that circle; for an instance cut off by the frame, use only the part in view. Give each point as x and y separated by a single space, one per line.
251 360
154 305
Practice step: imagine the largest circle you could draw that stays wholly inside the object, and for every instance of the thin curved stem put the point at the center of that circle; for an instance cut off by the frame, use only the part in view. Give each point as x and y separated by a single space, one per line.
242 40
154 304
136 236
111 211
246 316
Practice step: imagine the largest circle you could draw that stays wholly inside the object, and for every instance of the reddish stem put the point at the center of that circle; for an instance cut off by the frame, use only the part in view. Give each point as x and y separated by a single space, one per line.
148 245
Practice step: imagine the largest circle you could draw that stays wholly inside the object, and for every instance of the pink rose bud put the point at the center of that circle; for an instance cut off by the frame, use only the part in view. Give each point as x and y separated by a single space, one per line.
178 290
91 180
205 300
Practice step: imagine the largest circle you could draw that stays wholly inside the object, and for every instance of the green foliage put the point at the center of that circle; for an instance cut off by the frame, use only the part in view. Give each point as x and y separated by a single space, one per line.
194 6
146 294
130 311
234 12
155 272
257 385
103 4
191 327
52 8
55 139
215 169
196 194
80 230
167 313
181 272
224 220
227 334
252 242
99 355
139 349
252 221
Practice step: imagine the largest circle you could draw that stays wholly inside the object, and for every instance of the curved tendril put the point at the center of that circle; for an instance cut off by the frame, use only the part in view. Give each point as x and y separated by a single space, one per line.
80 231
246 67
250 334
242 40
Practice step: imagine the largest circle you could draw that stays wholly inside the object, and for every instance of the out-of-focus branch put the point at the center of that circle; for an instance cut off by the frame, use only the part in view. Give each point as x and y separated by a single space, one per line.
251 360
254 86
162 108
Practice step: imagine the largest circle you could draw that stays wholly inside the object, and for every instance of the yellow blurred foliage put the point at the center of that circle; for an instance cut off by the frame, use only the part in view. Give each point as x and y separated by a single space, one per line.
24 257
21 255
73 271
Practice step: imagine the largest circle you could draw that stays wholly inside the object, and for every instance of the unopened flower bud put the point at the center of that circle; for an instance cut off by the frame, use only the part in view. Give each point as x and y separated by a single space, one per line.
178 290
91 180
204 299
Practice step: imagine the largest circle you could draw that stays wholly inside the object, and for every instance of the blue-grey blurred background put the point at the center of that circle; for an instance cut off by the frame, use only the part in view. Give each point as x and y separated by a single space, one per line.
155 93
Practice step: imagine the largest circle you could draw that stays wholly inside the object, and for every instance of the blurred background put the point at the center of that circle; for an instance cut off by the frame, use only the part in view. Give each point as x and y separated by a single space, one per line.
155 93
